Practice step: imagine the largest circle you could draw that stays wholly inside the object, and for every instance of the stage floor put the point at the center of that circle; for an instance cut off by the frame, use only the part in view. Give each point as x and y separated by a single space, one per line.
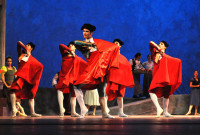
140 124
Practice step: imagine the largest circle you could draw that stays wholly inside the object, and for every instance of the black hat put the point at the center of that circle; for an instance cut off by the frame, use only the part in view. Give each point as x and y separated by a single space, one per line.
166 44
32 45
72 42
89 27
118 40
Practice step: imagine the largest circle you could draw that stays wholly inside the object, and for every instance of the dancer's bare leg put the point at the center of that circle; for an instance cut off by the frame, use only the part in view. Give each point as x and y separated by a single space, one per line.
94 110
196 109
190 109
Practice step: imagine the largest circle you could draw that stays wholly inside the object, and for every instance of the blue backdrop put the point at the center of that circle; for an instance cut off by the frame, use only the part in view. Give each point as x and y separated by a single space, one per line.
48 23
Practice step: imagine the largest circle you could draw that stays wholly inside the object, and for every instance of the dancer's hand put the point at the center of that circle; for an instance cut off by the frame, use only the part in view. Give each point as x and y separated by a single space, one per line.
8 87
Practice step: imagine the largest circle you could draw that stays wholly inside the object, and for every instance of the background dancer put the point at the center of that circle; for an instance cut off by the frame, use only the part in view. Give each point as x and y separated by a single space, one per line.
195 94
167 76
26 84
8 77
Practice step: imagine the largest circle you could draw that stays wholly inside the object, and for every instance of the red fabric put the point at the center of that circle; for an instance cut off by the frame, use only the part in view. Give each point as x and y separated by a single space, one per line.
1 71
71 69
28 76
99 63
119 78
167 73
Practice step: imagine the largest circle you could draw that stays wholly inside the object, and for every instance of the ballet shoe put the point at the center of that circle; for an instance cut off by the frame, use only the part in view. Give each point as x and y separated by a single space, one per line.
83 113
166 114
62 113
14 113
75 115
159 112
36 115
107 116
122 115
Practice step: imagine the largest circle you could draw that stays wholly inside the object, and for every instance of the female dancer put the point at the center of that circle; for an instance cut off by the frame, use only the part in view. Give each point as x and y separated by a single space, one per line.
195 94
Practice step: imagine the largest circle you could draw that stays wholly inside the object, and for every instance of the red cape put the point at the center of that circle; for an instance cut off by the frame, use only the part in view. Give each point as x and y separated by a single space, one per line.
167 72
99 63
28 76
71 69
119 78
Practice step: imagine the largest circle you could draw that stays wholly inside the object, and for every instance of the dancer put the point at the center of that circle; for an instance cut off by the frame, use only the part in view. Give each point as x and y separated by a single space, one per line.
101 56
167 76
195 94
8 77
72 67
118 79
26 84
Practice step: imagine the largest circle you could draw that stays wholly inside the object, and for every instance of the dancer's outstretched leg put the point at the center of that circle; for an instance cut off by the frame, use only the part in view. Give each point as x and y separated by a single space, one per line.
154 98
79 96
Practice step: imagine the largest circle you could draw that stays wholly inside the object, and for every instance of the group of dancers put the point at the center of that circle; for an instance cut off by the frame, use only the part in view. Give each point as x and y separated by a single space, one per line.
105 69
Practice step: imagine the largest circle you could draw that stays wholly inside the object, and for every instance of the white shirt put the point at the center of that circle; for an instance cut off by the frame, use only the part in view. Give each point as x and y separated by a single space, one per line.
148 65
55 78
25 58
91 41
138 64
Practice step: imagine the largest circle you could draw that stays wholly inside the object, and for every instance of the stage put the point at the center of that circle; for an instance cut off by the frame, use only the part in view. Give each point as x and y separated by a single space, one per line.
134 124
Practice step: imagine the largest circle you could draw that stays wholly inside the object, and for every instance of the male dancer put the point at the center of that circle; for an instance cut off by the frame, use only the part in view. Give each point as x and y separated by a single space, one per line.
118 79
29 72
167 76
102 56
72 67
